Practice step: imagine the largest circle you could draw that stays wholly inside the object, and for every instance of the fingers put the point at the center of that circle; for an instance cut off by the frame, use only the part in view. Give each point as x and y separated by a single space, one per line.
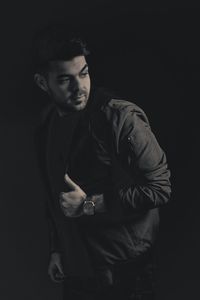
55 270
58 277
60 268
55 274
70 183
51 271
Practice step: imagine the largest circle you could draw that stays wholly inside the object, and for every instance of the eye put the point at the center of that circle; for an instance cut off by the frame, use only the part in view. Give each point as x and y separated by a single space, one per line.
64 80
84 74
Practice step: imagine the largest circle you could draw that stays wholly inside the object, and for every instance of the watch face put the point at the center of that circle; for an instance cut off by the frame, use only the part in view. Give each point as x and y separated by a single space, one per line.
88 207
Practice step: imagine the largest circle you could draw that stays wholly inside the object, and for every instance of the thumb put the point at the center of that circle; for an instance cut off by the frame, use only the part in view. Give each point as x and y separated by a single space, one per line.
70 183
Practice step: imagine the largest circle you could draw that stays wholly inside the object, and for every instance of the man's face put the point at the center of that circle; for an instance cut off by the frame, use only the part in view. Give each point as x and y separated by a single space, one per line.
68 83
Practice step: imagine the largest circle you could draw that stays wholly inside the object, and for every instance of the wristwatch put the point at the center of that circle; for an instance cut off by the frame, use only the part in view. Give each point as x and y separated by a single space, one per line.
88 206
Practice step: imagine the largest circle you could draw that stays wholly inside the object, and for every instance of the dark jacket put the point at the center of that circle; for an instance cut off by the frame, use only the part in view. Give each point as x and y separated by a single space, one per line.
129 168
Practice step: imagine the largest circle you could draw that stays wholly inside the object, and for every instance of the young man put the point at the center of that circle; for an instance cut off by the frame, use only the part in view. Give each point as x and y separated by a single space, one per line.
106 174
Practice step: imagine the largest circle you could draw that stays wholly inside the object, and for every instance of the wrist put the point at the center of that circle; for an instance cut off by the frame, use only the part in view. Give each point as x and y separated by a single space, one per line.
55 255
94 204
89 206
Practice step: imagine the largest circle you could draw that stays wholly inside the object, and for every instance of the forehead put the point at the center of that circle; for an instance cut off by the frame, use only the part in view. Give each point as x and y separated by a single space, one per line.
70 67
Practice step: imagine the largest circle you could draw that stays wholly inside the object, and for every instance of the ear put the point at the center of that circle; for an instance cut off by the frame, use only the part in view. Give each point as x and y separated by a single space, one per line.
41 82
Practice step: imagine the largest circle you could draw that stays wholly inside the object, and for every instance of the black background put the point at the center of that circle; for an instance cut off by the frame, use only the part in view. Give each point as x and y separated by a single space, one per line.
142 51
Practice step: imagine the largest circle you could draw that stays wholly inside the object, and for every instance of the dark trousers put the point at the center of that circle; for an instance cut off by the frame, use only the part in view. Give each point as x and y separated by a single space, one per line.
124 282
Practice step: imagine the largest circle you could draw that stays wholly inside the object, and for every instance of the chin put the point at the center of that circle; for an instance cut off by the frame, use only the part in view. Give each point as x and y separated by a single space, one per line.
80 106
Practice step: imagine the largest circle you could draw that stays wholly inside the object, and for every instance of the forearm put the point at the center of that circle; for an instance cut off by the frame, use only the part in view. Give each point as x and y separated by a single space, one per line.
106 213
143 197
125 204
54 244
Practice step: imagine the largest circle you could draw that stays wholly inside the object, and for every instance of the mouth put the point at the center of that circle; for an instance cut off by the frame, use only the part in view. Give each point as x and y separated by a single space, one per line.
80 98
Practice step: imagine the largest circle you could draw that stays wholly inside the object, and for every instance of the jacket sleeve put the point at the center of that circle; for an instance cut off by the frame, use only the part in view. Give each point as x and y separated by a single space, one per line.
140 175
54 245
40 140
139 155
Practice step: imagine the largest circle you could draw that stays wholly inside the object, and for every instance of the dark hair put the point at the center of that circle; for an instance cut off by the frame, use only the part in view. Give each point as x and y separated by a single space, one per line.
56 43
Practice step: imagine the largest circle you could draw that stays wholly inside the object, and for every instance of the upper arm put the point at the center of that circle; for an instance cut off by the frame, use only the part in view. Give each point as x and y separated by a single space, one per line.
144 153
140 162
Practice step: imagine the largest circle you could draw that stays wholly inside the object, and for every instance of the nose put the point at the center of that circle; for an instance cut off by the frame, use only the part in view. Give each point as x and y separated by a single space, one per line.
76 85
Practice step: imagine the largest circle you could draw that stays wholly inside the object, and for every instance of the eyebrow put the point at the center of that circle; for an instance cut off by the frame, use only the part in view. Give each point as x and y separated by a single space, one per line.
69 75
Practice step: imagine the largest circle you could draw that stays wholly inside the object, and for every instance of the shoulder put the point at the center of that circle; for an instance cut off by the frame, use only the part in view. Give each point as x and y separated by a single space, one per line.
123 115
119 117
122 108
113 106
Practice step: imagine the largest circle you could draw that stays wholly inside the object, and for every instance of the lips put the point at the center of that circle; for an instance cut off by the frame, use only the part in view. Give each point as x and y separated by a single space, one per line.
80 95
78 98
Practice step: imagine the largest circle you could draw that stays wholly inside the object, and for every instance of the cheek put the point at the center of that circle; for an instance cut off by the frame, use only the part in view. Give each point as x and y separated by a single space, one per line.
57 89
62 90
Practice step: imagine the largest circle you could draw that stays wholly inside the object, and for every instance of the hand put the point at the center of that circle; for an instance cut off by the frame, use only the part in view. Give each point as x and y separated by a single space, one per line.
55 269
71 202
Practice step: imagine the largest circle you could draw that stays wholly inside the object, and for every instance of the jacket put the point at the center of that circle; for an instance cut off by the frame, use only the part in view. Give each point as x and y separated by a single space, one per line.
134 180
